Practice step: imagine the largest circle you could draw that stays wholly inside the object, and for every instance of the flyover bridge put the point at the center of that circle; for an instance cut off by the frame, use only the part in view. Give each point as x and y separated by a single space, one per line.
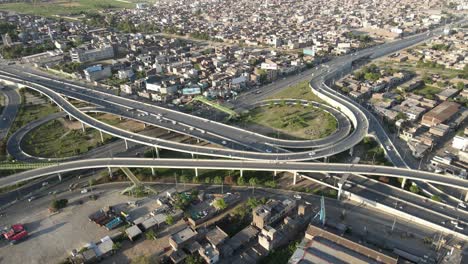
196 164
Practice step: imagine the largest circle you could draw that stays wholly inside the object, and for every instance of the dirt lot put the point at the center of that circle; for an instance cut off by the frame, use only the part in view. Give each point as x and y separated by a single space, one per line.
52 237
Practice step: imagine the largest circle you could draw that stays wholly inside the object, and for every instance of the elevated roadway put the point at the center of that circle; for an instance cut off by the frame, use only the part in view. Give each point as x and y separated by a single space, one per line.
338 168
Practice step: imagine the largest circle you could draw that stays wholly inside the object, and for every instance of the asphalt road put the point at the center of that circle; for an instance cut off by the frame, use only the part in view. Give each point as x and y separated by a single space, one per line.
13 101
279 166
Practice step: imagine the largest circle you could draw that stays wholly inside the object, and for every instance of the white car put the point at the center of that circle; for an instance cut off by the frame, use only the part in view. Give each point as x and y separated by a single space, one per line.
297 197
461 204
311 153
224 142
45 184
32 198
388 148
84 191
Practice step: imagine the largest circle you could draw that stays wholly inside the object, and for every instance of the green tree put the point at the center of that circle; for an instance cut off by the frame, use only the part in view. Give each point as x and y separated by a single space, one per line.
194 259
220 204
240 181
218 180
436 198
253 181
142 260
414 189
150 235
169 219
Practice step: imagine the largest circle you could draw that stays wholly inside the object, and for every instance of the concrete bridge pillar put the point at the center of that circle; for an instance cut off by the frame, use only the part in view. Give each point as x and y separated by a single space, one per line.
144 125
102 136
325 159
196 172
403 182
120 118
110 172
60 177
83 127
198 141
295 177
466 196
70 117
193 155
157 152
351 151
275 173
340 190
126 144
153 172
241 173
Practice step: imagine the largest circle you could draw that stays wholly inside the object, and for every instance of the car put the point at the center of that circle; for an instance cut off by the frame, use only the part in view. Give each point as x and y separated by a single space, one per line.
297 197
461 204
388 148
84 191
459 227
224 142
311 153
268 150
454 222
32 198
45 184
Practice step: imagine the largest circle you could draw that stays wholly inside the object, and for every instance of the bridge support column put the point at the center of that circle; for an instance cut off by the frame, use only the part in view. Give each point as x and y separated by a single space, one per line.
198 140
340 189
126 144
60 177
275 173
241 173
351 151
70 117
120 118
196 172
192 155
295 177
153 172
102 136
144 125
83 127
325 159
110 172
157 152
403 182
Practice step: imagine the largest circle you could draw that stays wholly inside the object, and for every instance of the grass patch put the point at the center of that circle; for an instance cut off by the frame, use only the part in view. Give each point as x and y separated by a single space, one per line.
53 139
64 7
292 121
428 91
301 90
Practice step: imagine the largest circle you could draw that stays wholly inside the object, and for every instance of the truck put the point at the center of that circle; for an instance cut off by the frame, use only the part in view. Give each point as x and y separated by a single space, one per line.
114 223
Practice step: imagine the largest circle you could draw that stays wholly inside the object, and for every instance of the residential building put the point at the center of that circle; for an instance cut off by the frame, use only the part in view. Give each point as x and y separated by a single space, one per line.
97 72
440 114
89 55
324 245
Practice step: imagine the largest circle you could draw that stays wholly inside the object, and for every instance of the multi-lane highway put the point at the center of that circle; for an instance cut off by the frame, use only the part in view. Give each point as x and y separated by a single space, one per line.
12 102
339 168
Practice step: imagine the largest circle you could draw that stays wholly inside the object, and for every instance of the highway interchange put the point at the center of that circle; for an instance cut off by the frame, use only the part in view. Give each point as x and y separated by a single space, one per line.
264 153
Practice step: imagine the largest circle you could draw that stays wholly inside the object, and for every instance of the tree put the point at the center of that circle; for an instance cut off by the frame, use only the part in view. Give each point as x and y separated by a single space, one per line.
91 182
218 180
460 86
150 235
436 198
194 259
240 181
169 219
253 181
414 189
220 204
